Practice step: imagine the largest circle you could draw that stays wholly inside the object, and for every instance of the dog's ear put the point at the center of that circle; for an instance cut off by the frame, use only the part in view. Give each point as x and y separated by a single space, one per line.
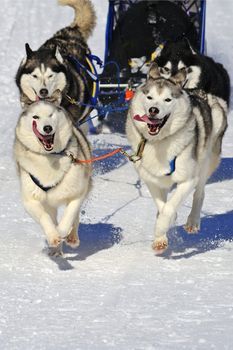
153 71
180 77
58 55
29 51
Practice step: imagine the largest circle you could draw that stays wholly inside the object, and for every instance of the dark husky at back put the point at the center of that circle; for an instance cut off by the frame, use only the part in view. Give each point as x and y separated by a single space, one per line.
213 78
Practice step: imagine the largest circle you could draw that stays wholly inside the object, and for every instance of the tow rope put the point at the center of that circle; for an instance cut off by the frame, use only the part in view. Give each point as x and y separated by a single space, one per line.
92 160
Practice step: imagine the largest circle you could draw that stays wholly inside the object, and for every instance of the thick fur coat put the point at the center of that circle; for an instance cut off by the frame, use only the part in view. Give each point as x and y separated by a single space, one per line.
180 128
52 66
44 139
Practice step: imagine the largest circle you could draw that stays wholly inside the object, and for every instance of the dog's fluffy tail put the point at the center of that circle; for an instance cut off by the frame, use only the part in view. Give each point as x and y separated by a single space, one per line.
85 17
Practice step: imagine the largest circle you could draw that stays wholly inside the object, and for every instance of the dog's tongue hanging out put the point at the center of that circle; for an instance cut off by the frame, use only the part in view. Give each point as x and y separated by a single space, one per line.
46 140
152 123
144 118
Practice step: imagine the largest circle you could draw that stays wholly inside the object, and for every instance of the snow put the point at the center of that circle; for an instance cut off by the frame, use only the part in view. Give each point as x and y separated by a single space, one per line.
112 292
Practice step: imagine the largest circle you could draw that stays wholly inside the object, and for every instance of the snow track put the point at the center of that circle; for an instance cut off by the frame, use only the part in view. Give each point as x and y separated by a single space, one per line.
111 292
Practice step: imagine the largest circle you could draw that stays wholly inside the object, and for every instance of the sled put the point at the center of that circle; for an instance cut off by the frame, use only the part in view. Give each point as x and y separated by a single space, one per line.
117 81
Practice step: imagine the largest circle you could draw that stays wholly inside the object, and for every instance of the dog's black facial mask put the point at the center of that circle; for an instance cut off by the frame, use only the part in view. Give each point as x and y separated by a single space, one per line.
174 57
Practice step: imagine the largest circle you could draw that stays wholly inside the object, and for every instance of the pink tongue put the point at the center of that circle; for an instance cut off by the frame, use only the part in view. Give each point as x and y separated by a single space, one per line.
144 118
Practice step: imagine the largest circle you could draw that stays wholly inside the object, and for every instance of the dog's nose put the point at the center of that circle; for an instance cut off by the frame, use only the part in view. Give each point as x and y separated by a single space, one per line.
47 129
43 92
153 110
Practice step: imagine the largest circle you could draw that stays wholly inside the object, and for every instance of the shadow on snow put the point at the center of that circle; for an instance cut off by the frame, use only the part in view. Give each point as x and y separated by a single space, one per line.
106 165
224 171
215 230
93 238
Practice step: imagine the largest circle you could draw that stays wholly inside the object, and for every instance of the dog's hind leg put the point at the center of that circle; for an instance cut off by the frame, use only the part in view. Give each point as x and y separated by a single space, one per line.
43 217
193 222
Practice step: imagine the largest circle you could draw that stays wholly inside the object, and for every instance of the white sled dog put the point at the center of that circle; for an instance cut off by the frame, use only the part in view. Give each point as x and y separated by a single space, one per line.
45 142
179 138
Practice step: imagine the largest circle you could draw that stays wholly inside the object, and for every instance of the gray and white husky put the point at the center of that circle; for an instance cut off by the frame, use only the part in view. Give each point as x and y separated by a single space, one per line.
182 137
44 140
52 67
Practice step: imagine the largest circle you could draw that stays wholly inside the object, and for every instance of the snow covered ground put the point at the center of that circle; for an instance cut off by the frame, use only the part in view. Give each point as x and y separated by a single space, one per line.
112 292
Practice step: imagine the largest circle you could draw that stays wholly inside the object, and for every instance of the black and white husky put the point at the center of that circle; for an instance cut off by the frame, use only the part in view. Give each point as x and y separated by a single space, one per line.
202 72
52 66
182 136
45 138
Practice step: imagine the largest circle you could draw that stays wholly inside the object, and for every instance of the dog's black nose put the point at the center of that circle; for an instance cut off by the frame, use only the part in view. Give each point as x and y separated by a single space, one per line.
47 129
43 92
153 110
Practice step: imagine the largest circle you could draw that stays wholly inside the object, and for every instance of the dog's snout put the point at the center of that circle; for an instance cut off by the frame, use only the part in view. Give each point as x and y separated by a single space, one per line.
153 110
47 129
44 92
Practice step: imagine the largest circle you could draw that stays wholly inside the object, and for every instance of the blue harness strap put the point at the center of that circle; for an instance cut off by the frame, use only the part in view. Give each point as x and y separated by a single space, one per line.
91 72
172 166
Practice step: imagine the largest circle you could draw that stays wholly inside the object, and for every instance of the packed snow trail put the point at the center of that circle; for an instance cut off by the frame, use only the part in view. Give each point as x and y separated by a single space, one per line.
112 292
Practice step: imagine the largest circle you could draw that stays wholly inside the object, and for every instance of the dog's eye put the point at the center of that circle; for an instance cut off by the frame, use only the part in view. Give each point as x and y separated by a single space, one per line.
149 97
35 76
35 117
50 76
166 69
167 100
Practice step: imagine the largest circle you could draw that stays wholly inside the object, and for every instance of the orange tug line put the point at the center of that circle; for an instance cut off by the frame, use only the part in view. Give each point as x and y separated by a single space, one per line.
86 161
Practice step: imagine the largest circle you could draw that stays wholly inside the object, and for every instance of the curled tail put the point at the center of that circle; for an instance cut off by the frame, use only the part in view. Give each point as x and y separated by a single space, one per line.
85 17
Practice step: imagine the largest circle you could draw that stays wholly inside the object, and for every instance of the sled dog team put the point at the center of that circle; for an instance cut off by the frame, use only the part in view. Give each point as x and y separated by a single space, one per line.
177 118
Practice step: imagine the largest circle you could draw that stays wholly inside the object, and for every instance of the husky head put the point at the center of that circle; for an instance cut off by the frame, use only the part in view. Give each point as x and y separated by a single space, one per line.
44 127
41 73
177 56
156 102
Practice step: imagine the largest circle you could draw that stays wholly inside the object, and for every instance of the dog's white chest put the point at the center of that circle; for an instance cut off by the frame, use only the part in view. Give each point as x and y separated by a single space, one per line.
155 166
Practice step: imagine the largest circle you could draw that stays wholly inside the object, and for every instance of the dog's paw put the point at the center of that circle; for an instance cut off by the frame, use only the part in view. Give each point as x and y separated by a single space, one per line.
72 240
160 245
192 229
54 242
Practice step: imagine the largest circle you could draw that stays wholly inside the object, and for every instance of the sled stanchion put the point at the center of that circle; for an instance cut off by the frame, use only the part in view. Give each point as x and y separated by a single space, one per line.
202 32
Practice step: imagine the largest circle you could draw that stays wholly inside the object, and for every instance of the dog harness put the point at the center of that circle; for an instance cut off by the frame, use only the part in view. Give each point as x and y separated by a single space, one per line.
91 72
37 183
138 156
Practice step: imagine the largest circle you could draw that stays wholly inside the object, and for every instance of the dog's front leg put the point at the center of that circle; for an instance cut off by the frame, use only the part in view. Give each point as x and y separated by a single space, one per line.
70 219
38 213
168 213
159 195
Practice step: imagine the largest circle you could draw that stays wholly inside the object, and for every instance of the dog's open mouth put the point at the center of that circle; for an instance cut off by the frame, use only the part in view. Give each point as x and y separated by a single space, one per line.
154 124
47 141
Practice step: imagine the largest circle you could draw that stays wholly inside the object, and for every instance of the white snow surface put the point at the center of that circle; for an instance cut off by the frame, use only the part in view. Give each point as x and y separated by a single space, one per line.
112 292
